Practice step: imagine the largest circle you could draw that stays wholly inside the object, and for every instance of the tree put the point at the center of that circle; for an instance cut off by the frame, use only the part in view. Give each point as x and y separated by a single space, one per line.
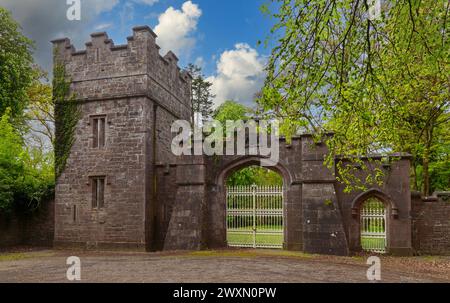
11 161
16 70
26 173
231 110
202 98
382 85
40 114
255 175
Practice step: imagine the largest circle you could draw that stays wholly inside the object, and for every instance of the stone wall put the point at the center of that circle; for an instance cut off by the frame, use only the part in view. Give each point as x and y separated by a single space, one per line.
319 216
10 230
166 196
35 229
431 223
394 193
122 162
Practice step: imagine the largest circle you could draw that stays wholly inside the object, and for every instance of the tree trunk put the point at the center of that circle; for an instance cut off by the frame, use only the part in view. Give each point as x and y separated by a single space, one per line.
425 173
426 161
414 175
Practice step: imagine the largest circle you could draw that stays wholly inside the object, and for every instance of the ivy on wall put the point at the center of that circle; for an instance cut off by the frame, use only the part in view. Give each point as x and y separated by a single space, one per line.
67 114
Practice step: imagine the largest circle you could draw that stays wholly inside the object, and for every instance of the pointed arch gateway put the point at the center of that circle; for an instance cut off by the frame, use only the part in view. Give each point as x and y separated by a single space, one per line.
373 209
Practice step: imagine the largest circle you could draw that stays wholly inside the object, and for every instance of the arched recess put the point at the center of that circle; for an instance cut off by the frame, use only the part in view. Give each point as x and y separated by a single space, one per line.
217 209
246 161
390 208
374 192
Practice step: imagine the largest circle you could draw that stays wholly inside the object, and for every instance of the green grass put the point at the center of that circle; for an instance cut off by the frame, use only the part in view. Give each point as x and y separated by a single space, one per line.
13 257
259 227
251 253
247 237
276 239
430 258
22 256
370 243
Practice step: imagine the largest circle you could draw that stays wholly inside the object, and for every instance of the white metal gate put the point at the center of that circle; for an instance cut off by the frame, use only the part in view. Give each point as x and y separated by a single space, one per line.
373 226
255 216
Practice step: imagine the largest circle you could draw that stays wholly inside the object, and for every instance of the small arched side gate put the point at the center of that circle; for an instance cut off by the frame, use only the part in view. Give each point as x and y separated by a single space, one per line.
373 225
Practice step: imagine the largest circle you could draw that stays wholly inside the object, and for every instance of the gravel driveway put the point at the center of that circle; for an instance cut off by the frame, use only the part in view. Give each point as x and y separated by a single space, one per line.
215 266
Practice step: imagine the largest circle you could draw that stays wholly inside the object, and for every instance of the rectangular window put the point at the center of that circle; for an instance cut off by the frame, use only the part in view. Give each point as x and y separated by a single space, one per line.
98 192
98 131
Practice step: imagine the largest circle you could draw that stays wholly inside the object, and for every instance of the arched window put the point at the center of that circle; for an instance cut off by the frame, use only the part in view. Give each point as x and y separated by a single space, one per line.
373 225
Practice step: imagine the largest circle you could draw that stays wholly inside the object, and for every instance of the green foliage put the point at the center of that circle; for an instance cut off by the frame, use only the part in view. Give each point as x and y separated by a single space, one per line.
11 161
231 110
39 114
439 163
67 113
26 174
255 175
202 98
16 71
381 85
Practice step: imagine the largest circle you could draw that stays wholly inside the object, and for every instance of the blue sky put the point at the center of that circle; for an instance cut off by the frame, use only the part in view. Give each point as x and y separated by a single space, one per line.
221 25
221 36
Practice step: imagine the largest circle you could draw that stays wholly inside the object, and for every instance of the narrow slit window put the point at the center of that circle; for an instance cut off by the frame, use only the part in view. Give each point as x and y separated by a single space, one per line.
98 131
98 192
74 213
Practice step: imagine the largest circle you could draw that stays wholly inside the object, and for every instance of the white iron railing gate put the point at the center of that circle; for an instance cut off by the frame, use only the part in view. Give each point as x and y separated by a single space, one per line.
373 226
255 216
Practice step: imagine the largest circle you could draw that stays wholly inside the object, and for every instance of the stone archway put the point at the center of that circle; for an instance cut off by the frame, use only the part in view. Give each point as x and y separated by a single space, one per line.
218 209
317 211
361 212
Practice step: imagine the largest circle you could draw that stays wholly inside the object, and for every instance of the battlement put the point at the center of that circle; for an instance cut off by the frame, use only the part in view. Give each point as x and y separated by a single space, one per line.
106 70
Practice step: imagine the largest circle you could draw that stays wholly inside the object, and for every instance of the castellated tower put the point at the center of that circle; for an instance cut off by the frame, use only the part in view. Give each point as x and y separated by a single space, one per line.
129 96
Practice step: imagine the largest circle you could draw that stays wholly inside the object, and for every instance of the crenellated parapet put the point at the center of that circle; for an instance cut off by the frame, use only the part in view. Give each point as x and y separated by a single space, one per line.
106 71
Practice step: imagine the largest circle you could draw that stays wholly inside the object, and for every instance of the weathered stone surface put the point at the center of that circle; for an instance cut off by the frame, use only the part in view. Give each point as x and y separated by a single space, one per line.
431 224
32 229
140 93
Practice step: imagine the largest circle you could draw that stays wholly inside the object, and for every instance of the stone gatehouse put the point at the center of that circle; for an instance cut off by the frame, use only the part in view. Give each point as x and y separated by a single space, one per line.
123 188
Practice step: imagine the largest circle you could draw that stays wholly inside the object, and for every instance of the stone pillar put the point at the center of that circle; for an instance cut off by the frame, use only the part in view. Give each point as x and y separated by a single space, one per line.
323 230
187 223
293 227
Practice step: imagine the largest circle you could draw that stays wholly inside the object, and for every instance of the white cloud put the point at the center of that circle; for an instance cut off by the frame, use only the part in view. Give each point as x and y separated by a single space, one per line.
146 2
175 28
126 15
240 74
98 6
200 62
103 26
44 20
